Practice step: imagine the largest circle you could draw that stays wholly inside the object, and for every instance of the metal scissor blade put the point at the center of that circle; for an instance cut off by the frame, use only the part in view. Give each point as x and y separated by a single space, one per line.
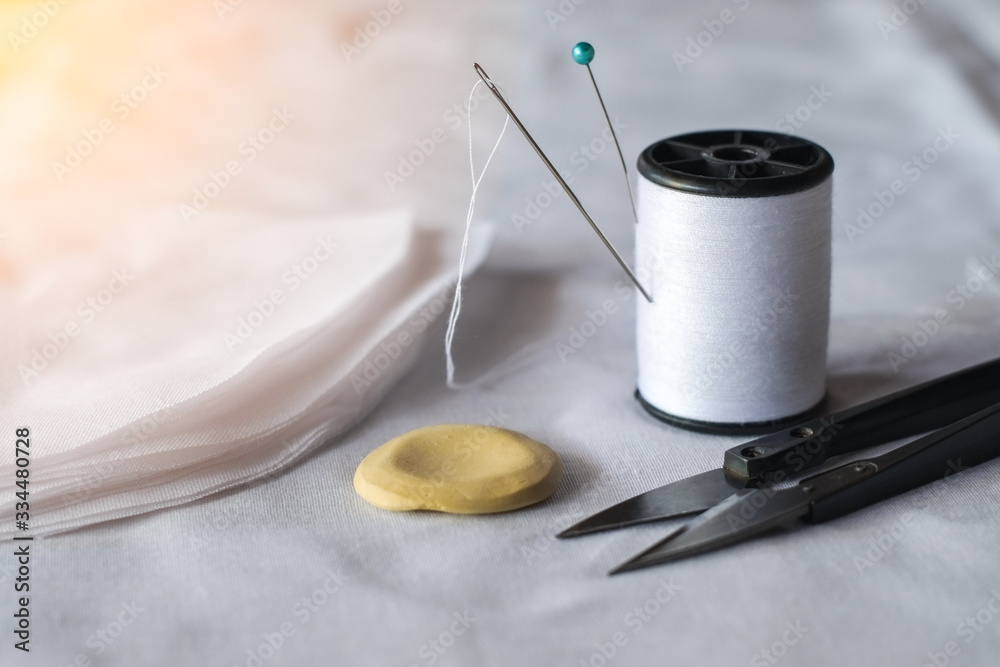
741 515
974 439
686 496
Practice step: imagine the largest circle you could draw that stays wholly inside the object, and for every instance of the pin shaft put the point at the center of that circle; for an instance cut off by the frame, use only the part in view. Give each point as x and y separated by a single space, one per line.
555 173
614 136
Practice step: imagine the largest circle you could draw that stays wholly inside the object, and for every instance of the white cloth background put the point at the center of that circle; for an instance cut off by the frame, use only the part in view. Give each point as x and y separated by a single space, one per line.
215 578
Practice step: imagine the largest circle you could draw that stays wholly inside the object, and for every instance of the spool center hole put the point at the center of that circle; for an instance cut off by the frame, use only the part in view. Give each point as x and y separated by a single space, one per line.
738 153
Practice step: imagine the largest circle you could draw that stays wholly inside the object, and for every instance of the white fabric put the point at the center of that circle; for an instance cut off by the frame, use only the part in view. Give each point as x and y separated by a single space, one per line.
737 329
151 215
212 363
215 577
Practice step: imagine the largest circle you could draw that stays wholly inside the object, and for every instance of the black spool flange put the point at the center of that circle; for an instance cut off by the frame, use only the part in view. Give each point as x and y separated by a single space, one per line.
736 428
736 163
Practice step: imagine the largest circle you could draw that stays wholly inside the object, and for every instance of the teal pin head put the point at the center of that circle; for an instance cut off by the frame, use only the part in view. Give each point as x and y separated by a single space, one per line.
583 53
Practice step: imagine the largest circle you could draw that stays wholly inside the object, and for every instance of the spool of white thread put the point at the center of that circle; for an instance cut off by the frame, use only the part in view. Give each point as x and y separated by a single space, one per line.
733 243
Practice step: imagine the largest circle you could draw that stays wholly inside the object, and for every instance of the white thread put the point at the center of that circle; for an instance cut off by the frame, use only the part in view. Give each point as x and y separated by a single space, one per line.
456 304
737 331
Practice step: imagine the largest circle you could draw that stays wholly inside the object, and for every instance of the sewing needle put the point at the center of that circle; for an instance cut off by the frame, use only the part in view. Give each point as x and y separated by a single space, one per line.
555 173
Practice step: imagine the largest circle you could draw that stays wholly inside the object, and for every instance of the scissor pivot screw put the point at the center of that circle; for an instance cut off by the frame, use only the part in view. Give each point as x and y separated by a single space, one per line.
753 452
802 432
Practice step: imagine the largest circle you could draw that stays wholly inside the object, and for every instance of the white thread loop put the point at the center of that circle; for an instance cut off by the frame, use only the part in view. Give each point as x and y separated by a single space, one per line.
737 332
456 304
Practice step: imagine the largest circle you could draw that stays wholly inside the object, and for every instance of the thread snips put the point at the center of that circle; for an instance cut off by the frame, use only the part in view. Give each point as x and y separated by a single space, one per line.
960 413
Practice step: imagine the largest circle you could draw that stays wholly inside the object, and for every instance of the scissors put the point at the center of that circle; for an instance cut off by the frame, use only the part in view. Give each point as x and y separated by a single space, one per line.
959 413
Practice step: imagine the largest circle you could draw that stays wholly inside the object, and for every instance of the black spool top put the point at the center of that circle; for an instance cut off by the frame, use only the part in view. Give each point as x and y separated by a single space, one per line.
736 163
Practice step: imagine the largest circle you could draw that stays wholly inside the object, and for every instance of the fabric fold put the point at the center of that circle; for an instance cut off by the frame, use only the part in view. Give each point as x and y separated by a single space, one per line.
327 343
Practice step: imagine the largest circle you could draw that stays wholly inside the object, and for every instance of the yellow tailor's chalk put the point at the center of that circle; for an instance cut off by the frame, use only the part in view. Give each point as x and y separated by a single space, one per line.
458 468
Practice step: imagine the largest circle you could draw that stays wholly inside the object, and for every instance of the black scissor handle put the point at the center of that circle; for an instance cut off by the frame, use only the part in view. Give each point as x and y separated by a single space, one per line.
966 443
919 409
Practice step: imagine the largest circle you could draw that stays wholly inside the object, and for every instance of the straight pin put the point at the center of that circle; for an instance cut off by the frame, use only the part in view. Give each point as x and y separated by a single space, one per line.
583 53
555 173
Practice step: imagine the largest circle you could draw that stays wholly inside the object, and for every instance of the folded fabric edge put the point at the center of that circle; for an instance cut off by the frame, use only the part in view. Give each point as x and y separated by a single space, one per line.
262 461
